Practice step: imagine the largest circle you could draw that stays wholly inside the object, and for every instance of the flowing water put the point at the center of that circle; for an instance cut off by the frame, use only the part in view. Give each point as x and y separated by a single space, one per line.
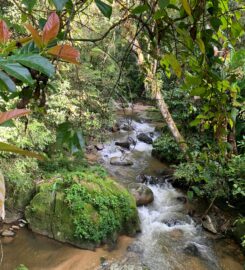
170 239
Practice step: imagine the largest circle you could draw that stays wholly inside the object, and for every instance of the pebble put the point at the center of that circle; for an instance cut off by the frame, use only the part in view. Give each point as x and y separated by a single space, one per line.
15 227
22 221
8 233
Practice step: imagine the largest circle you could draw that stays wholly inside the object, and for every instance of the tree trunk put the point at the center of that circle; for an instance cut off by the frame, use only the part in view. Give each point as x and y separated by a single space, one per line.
152 85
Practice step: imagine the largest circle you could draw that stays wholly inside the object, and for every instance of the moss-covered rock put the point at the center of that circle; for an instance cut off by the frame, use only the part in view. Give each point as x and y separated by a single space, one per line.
84 208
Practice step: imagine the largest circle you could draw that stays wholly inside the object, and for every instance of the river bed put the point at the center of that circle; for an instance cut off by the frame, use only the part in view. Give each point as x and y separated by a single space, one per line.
170 239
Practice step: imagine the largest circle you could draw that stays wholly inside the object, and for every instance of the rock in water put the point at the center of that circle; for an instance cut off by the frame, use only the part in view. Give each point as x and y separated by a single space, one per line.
123 144
192 249
145 138
115 128
8 233
86 209
118 161
208 224
127 127
142 194
99 146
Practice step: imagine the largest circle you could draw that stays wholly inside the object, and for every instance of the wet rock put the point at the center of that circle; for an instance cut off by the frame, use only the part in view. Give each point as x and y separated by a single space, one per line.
173 222
135 248
141 178
142 194
11 217
176 234
15 227
115 128
118 161
208 224
54 217
127 127
99 146
144 138
182 199
22 225
8 233
151 134
123 144
192 249
23 221
148 179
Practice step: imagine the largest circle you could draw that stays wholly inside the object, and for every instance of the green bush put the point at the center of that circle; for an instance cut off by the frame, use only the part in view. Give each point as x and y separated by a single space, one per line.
166 149
213 176
20 175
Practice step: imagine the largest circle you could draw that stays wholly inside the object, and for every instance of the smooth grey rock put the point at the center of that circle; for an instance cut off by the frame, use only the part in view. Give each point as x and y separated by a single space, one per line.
207 224
142 194
8 233
117 161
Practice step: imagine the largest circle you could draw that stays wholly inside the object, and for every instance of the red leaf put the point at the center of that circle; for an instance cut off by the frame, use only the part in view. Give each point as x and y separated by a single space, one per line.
66 52
4 32
35 35
5 116
51 28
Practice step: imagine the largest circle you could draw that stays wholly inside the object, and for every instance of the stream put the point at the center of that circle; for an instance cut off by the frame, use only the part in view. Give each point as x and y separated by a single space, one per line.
169 240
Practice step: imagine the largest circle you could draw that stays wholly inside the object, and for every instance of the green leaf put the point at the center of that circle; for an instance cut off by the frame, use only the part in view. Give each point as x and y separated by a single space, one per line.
199 91
186 6
201 45
163 3
216 23
18 71
195 122
105 9
238 58
159 14
13 149
190 195
59 4
6 83
192 80
196 190
236 29
171 6
70 138
29 4
173 62
234 113
35 61
140 9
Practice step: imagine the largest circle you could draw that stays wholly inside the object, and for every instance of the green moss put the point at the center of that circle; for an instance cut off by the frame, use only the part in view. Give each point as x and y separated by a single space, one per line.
82 207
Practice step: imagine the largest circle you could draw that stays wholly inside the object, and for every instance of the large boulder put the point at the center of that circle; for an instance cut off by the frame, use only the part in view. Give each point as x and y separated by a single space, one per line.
83 208
118 161
144 138
142 194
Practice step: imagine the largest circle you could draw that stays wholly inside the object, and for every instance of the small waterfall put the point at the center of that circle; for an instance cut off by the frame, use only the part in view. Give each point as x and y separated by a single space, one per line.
169 236
170 239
